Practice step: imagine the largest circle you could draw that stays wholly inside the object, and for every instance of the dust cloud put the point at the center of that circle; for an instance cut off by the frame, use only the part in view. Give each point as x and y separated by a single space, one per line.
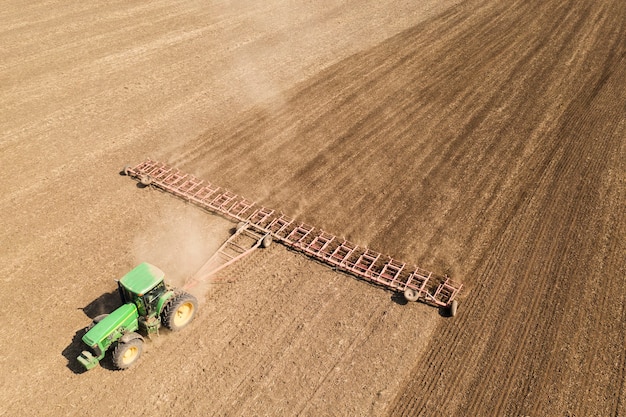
180 242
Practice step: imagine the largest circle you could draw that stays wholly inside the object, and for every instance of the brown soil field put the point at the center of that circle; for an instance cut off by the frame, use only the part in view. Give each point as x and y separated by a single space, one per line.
479 138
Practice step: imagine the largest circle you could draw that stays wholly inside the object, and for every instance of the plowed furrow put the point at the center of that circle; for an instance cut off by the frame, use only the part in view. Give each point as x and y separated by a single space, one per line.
562 197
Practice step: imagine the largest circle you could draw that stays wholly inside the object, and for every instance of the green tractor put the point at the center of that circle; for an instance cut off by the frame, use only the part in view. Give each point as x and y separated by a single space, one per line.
148 303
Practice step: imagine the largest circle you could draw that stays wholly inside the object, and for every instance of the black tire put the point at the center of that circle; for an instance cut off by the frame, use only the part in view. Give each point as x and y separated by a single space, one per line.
179 311
410 294
453 307
126 354
145 180
99 318
126 170
95 321
266 242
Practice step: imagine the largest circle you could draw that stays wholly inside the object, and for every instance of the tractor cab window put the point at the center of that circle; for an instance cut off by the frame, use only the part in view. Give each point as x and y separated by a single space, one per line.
141 308
125 295
151 298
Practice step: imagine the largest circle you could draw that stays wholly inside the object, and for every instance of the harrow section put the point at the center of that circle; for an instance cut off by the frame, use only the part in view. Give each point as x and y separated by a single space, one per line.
364 263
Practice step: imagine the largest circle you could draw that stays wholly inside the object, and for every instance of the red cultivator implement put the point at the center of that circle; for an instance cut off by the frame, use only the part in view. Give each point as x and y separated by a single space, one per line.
259 225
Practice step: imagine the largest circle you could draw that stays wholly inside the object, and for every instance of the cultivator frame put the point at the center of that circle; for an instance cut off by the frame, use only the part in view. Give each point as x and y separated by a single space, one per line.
339 253
242 243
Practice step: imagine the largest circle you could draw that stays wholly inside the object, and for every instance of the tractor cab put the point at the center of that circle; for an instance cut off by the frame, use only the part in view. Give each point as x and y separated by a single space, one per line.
144 287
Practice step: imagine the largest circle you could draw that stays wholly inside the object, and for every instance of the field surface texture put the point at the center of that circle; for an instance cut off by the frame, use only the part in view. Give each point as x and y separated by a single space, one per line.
484 139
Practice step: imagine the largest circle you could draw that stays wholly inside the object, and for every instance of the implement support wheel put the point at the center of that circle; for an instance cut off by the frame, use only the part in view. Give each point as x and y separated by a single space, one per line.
145 180
410 294
266 242
453 306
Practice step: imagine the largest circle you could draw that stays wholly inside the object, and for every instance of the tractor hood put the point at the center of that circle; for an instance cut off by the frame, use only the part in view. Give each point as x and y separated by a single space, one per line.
124 314
142 278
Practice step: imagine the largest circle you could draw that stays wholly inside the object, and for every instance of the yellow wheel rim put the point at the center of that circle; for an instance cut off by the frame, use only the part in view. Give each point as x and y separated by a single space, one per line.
183 314
130 355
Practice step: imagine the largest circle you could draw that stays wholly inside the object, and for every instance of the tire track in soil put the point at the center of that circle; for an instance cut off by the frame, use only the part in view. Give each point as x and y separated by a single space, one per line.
569 162
605 130
253 366
519 302
244 393
442 366
290 335
474 124
68 106
348 156
305 407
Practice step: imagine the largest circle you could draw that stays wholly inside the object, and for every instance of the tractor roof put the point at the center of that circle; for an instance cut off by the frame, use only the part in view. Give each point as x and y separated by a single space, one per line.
142 278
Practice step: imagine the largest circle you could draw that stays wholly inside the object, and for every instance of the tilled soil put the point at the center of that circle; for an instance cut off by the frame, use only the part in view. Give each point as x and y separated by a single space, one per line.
483 139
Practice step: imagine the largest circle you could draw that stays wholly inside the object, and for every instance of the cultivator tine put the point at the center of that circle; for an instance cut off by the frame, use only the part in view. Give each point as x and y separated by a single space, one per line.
260 216
143 167
205 194
191 186
366 262
262 222
297 235
159 172
446 291
221 200
418 281
209 194
391 272
239 208
319 243
173 177
279 225
342 253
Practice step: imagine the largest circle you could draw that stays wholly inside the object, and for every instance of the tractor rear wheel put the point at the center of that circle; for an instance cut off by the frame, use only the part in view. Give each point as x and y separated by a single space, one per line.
126 354
179 311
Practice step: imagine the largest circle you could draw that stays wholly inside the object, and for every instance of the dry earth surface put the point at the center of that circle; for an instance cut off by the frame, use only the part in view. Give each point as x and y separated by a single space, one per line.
480 138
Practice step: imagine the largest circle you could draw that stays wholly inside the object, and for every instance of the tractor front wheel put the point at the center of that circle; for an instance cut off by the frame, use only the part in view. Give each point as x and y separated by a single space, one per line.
179 312
126 354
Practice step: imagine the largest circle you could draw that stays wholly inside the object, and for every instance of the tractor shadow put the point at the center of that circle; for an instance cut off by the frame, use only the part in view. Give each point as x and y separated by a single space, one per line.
101 305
